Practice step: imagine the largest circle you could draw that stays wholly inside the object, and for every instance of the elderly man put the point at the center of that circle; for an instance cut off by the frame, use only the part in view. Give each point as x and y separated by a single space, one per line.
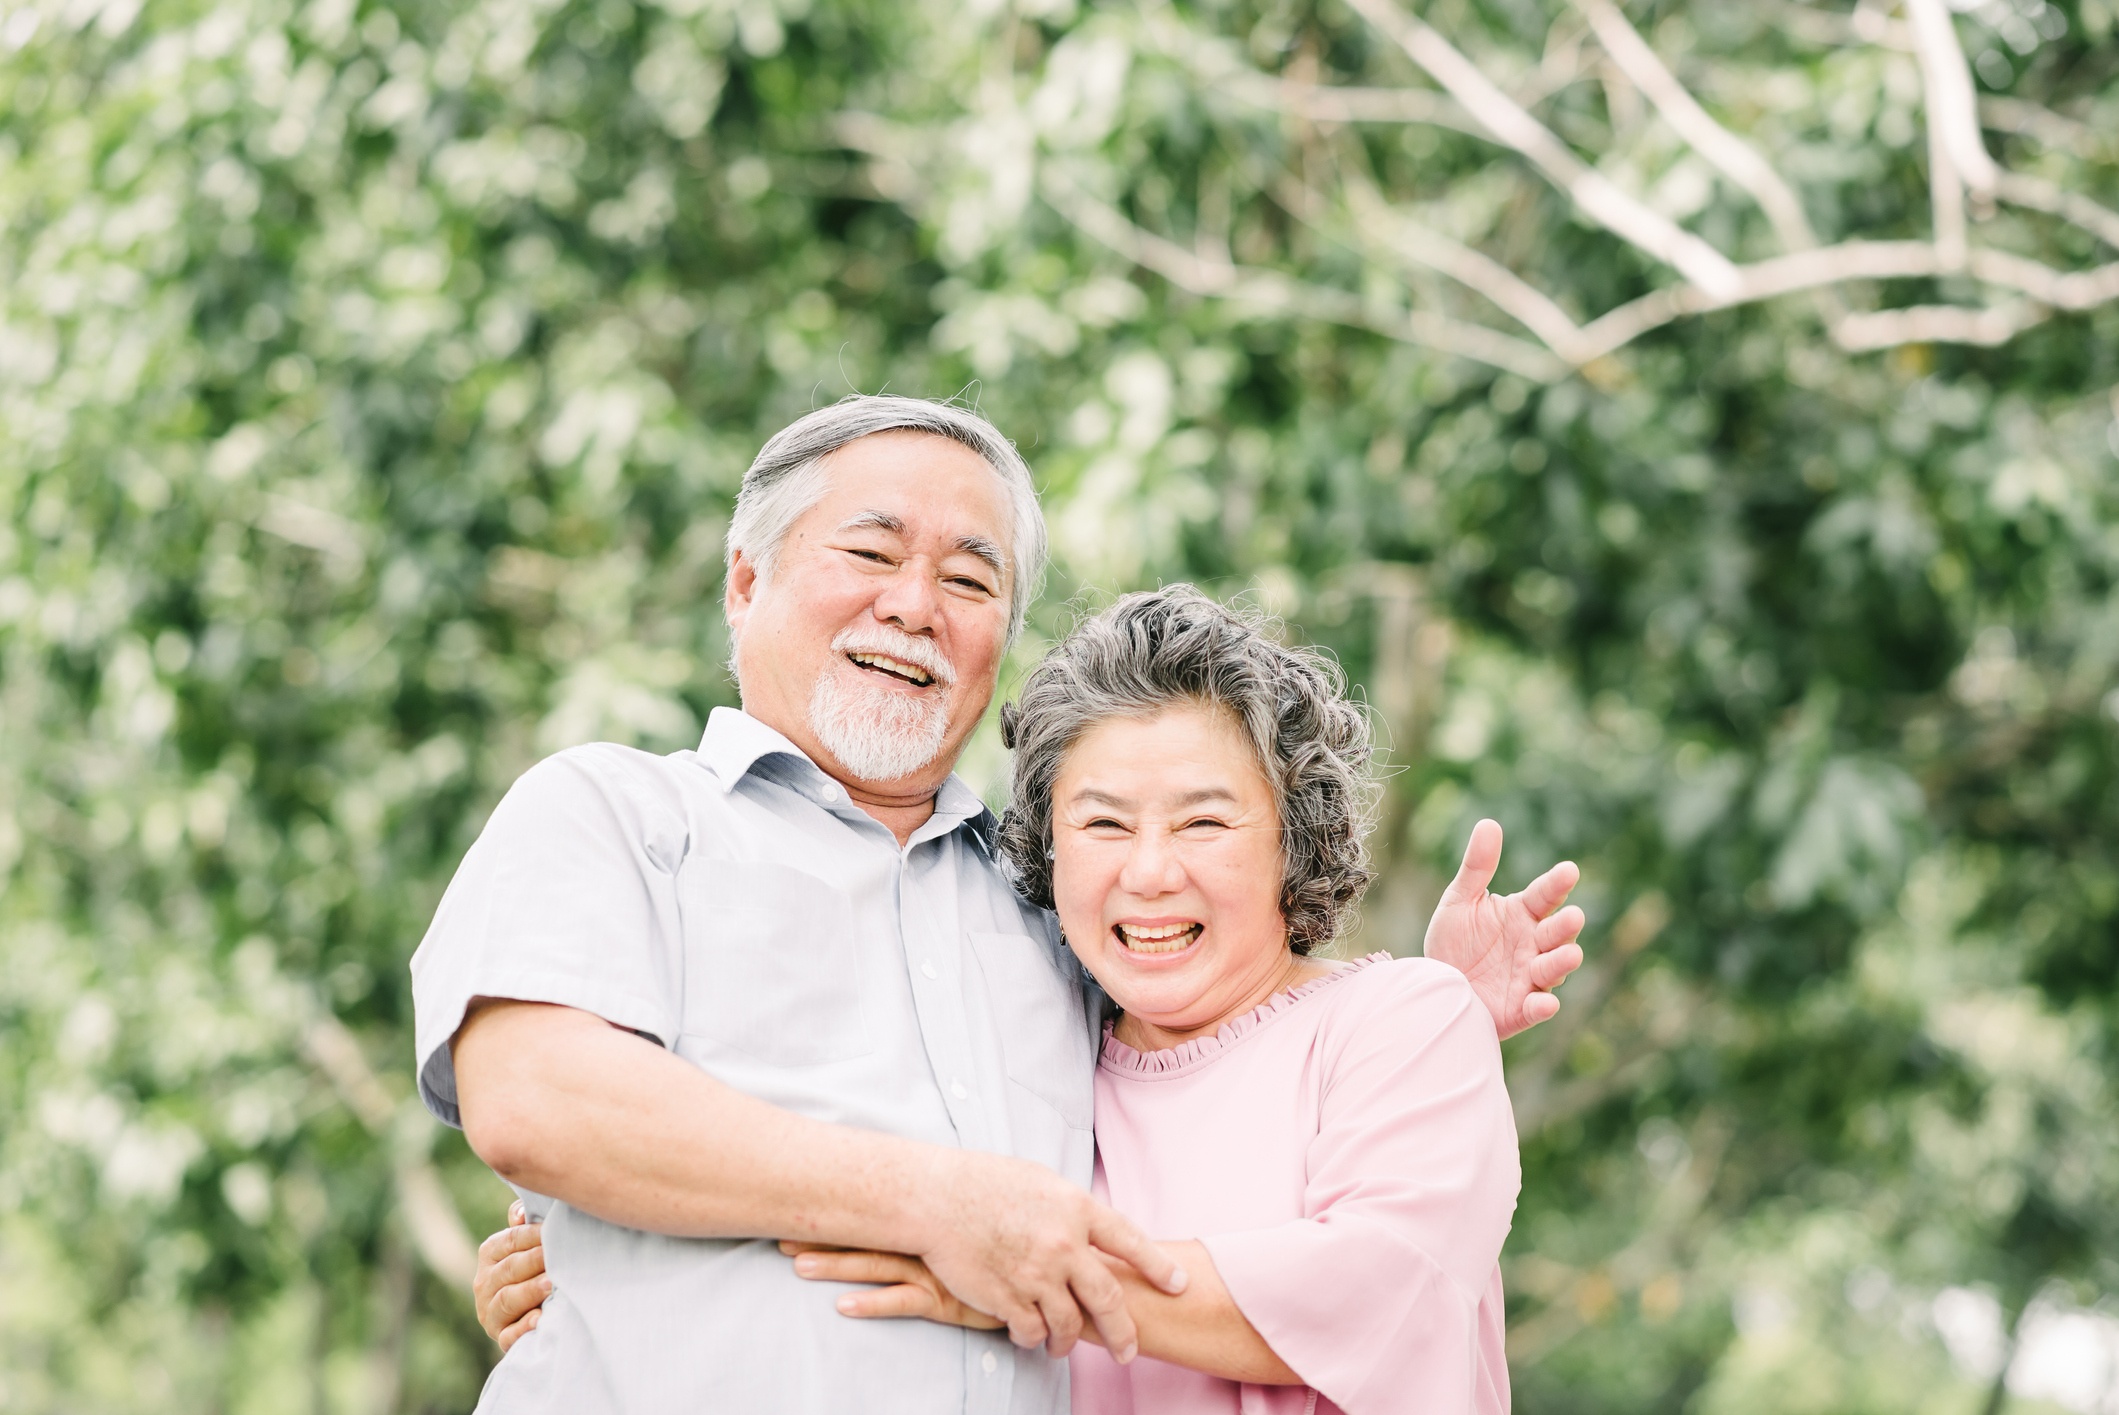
779 987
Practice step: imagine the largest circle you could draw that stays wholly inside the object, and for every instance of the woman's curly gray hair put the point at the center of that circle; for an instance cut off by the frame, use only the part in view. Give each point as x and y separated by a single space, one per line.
1175 647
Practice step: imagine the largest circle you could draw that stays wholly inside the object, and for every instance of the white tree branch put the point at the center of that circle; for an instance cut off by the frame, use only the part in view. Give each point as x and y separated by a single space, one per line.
437 1230
1934 324
1507 120
2040 195
1946 199
1953 109
1731 155
1271 290
2050 129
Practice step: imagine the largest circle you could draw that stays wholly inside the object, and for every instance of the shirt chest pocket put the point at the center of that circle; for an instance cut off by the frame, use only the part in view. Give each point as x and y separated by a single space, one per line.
772 966
1037 1008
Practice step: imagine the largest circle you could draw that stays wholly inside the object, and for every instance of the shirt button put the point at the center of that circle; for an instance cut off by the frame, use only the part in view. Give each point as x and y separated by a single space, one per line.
959 1090
989 1362
928 970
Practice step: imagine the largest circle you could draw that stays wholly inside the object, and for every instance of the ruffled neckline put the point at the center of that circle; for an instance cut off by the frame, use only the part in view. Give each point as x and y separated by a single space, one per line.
1119 1057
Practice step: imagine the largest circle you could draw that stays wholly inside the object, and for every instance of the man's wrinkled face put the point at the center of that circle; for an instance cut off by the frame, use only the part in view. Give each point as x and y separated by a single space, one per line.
876 643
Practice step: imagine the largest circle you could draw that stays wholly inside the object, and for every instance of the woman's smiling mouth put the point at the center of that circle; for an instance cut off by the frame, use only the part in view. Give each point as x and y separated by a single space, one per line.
1157 938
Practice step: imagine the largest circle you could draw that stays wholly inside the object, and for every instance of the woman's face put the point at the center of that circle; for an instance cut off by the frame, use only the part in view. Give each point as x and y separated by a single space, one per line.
1166 870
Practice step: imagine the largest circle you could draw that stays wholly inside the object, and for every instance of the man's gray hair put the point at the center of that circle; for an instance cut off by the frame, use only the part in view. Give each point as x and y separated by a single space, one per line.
789 477
1174 648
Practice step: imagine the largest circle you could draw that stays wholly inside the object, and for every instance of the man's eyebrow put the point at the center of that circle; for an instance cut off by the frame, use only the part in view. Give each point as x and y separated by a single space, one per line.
873 521
985 550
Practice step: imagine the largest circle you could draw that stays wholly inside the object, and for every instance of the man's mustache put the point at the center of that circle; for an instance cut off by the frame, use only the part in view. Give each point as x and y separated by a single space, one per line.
894 643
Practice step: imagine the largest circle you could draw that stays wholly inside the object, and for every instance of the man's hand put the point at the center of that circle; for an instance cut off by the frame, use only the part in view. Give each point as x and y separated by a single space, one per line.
511 1284
1013 1240
1514 948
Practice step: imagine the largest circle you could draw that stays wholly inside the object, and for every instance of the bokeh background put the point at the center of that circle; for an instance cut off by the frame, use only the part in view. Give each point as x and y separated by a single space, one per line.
375 378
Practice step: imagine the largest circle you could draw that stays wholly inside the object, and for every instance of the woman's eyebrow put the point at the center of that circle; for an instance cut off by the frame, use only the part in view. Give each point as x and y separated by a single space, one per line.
1189 798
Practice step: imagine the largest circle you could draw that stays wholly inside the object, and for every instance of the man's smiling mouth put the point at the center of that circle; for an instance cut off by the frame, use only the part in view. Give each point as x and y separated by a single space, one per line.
1164 938
894 667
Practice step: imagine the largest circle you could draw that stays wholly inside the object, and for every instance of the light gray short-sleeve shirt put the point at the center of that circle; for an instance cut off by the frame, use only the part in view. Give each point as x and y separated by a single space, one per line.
734 906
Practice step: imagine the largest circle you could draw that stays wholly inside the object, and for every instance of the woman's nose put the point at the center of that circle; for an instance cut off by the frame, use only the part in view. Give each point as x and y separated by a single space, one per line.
1152 867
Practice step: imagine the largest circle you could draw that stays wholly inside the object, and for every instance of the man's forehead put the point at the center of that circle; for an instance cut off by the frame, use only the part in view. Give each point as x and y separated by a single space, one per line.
883 485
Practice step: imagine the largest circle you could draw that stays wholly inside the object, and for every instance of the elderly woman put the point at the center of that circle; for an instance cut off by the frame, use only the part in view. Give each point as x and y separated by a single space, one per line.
1328 1145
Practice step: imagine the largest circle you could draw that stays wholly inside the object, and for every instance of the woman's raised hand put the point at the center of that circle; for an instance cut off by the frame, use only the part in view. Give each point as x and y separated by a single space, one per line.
1514 948
908 1287
511 1283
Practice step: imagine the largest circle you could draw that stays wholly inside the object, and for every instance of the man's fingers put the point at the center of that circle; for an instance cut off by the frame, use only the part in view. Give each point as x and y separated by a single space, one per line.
907 1299
1063 1321
517 1213
1560 928
792 1246
518 1331
1550 890
1548 970
1115 1234
1027 1327
1482 856
1104 1303
510 1240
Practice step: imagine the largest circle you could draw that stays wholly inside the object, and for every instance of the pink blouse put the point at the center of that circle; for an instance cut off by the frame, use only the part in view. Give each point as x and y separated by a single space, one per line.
1347 1154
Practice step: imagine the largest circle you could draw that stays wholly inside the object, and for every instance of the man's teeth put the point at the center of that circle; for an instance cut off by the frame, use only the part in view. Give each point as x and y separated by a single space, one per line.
1163 938
892 665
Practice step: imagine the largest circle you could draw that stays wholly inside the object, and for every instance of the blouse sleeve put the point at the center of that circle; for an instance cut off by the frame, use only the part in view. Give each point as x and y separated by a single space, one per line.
1385 1296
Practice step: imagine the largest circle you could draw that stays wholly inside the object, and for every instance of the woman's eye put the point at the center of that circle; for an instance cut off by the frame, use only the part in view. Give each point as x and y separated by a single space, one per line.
1103 823
1206 823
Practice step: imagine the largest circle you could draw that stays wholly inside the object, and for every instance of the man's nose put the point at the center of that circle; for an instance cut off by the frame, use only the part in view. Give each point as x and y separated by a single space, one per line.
1152 867
911 600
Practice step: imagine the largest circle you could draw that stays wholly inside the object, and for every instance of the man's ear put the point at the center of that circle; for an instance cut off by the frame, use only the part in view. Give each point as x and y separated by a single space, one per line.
741 591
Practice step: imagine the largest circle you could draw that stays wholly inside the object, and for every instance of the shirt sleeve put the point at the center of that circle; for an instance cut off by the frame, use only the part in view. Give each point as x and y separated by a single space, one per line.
568 896
1386 1296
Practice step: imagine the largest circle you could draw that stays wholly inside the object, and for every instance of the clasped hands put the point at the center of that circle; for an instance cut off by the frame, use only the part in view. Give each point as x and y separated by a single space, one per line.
1015 1246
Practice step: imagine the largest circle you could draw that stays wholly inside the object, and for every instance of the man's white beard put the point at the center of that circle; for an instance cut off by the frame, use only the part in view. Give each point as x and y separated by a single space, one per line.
876 734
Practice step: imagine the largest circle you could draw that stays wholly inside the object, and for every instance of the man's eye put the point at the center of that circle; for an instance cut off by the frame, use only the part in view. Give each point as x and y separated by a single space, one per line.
970 584
876 555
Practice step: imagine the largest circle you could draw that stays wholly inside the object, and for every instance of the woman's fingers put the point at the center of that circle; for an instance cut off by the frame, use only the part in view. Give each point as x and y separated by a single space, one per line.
1538 1007
1482 856
519 1330
1549 970
511 1240
517 1300
1550 890
907 1299
843 1266
1561 927
517 1213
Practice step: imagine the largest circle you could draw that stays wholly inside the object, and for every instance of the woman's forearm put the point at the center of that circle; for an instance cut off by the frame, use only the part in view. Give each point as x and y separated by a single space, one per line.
1203 1328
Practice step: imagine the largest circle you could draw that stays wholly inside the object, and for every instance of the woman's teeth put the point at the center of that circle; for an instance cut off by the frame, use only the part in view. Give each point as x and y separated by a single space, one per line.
1164 938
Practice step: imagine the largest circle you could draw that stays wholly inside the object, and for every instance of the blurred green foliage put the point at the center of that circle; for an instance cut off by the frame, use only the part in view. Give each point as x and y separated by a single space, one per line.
374 381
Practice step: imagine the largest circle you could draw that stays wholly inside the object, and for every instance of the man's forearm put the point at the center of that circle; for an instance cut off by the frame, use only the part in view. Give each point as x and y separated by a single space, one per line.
564 1104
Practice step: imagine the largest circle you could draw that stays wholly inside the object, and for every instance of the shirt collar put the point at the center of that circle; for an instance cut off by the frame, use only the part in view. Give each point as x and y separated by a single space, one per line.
735 742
